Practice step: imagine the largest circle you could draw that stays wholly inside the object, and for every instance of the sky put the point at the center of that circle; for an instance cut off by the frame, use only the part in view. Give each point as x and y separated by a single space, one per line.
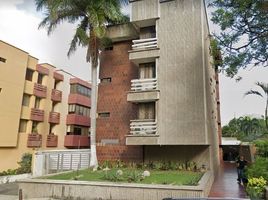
19 27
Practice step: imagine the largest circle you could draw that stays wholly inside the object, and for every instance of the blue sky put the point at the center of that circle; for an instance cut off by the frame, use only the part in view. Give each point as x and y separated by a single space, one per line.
19 28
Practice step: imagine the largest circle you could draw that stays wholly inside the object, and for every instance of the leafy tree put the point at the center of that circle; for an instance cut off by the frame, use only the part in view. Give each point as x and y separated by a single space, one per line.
244 33
92 17
244 128
263 94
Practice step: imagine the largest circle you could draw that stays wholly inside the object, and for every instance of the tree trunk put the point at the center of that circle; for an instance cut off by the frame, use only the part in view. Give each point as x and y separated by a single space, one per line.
93 114
266 110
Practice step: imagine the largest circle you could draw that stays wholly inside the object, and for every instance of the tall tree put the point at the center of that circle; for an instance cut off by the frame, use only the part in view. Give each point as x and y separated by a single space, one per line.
263 94
244 33
92 17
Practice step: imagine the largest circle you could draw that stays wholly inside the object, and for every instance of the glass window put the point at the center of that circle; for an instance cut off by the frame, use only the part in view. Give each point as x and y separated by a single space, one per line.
104 114
23 126
26 100
29 75
40 79
2 60
106 80
37 102
79 89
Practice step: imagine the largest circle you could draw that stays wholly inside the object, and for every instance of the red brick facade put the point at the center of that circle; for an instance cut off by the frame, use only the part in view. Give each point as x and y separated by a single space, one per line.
112 98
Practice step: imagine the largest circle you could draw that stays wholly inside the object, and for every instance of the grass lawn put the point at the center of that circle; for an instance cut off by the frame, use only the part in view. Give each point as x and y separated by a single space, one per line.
131 175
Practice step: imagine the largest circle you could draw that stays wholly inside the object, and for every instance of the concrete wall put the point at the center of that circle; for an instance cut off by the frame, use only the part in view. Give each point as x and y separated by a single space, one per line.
140 11
182 111
12 76
83 190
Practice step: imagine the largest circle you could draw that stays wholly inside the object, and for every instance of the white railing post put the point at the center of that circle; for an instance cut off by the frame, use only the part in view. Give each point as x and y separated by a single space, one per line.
144 43
143 127
144 84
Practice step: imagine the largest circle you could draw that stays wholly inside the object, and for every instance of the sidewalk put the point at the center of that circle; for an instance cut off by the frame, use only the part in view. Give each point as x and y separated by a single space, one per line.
225 184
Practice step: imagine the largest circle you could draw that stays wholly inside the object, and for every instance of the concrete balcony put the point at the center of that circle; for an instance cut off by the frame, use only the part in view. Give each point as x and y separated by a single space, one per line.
57 76
144 50
56 95
79 99
76 141
143 90
144 12
34 140
52 140
37 115
42 70
74 119
40 90
142 132
144 44
54 118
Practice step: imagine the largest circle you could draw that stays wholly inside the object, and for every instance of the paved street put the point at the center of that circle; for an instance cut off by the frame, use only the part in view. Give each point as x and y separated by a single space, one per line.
9 189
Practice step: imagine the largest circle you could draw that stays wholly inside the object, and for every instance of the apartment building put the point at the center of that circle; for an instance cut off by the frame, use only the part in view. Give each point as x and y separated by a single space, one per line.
41 107
158 97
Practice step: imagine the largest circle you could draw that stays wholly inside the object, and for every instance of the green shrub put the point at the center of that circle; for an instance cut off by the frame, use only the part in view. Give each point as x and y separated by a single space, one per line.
8 172
25 164
112 176
259 168
134 176
262 147
256 187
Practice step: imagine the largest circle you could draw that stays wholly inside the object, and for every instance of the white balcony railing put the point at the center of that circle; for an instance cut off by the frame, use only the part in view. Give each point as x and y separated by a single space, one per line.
144 43
144 84
142 127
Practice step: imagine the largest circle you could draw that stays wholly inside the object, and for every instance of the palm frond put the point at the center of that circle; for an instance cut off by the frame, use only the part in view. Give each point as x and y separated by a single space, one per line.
80 37
253 92
263 86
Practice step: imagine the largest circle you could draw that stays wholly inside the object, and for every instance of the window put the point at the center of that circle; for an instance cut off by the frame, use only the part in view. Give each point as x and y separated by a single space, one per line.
37 102
146 111
147 32
29 75
104 114
109 48
26 100
79 89
106 80
147 70
79 110
77 131
40 79
2 60
34 127
23 126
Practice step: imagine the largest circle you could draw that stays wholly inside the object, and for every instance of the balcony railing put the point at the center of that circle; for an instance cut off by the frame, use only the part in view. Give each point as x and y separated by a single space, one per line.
143 84
58 76
40 90
37 115
76 141
143 127
56 95
74 119
144 43
54 117
52 140
34 140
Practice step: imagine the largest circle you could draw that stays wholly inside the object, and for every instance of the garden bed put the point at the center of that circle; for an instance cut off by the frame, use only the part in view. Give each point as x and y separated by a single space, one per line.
169 177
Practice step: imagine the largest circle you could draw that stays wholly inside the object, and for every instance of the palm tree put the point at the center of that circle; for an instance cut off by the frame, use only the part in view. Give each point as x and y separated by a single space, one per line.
92 17
263 94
